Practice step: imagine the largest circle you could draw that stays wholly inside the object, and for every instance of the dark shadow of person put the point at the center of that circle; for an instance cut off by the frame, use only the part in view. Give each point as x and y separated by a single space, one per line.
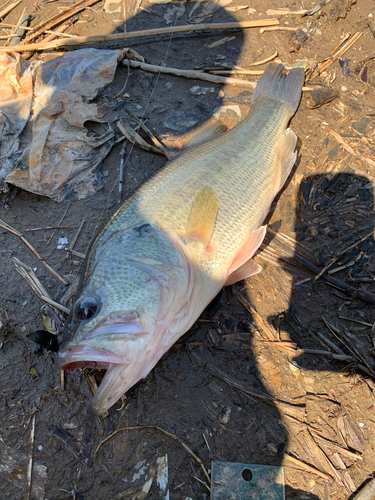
265 437
334 220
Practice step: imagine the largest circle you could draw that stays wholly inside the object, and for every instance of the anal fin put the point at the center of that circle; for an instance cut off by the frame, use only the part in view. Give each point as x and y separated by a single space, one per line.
242 267
245 271
201 222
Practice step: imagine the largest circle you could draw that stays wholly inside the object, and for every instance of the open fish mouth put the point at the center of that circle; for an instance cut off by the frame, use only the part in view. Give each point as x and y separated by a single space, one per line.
118 378
81 356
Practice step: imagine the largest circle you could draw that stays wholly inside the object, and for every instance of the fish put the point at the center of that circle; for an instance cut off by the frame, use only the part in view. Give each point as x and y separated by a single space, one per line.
183 235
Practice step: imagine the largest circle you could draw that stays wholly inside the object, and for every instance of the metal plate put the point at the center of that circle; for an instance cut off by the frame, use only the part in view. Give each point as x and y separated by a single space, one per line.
232 481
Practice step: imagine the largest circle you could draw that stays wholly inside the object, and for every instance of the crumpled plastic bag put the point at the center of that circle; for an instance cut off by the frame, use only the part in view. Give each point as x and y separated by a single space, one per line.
45 147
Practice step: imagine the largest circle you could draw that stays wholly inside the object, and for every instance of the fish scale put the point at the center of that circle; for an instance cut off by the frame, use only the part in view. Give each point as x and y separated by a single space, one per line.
185 233
241 178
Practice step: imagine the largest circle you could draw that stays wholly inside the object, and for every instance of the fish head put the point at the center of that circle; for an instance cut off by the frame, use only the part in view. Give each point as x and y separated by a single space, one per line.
132 306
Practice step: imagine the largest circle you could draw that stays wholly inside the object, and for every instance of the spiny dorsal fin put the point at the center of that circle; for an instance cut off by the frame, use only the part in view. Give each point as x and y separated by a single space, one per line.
201 222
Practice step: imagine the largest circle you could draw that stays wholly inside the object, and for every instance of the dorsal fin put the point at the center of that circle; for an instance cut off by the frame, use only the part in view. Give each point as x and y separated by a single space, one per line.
201 221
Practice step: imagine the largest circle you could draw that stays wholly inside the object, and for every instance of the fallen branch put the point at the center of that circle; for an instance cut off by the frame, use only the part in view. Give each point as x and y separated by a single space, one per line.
155 427
194 74
79 41
47 228
267 328
190 73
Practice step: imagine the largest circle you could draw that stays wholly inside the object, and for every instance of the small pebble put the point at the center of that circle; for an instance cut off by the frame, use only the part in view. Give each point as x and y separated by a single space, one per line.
62 242
344 89
197 90
224 415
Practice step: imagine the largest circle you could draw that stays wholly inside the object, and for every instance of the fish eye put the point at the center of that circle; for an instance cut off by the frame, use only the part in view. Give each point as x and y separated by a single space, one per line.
86 308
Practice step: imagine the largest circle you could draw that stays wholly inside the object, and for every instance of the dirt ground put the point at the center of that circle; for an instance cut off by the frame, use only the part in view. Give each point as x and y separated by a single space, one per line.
293 357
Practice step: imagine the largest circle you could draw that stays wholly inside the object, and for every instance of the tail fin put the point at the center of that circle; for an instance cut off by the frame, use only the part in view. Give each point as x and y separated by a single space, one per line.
282 85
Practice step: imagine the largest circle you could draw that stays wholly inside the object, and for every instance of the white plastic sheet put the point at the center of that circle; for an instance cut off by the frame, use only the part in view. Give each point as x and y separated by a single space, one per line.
45 147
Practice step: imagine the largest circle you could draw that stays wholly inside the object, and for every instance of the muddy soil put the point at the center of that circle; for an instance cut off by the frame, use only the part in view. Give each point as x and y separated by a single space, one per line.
251 349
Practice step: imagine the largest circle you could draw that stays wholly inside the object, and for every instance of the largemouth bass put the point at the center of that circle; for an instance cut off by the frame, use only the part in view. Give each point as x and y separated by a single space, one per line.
179 239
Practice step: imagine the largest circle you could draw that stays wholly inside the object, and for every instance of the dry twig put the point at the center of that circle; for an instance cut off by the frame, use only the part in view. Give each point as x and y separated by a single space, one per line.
349 290
76 235
302 465
9 9
30 459
98 39
344 48
189 73
11 230
194 74
155 427
28 274
133 137
265 61
48 228
54 21
157 143
344 339
60 221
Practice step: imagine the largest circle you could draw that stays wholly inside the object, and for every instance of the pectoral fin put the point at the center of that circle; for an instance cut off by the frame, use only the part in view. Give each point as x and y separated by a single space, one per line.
242 267
202 217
